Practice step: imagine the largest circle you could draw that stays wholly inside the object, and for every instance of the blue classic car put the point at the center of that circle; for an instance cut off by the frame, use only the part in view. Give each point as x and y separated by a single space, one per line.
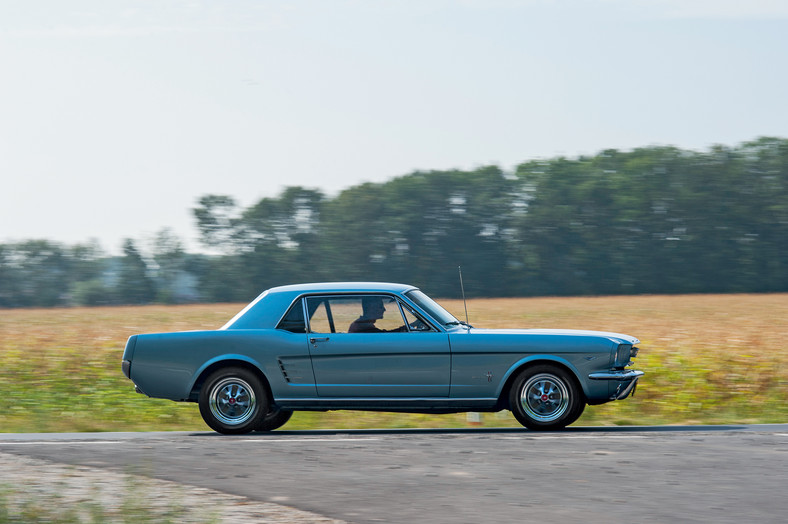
376 347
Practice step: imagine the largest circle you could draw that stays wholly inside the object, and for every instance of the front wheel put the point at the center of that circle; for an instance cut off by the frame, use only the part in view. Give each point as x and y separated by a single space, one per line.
274 419
545 397
233 401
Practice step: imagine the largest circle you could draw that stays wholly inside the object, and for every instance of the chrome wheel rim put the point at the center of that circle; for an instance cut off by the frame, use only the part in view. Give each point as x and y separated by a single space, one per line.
232 401
544 397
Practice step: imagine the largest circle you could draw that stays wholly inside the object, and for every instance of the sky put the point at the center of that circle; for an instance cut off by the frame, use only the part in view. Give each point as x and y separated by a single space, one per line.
116 117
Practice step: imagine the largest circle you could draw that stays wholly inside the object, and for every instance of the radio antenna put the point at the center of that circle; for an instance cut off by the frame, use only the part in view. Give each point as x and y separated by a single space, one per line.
464 303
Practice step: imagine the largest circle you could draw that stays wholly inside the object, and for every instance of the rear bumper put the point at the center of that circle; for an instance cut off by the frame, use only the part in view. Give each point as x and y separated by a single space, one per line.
627 381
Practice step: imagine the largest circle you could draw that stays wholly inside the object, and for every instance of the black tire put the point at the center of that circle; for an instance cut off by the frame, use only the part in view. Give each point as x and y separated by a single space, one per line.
580 408
546 397
233 401
274 419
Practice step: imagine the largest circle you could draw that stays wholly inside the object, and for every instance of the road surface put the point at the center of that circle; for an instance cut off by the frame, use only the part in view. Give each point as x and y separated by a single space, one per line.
611 474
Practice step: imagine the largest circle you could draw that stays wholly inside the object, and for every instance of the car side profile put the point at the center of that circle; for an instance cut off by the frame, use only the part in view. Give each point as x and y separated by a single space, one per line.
376 347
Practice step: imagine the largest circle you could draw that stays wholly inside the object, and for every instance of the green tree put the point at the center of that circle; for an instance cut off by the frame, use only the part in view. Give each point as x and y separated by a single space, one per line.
134 286
41 268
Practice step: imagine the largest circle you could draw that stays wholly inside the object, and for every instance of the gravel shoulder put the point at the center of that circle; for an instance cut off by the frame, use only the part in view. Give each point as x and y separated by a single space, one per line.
53 487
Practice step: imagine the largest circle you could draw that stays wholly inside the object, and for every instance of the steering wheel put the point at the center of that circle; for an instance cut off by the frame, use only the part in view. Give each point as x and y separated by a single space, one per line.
418 325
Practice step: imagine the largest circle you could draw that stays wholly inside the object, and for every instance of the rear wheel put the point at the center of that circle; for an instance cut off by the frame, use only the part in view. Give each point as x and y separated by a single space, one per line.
233 401
546 397
274 419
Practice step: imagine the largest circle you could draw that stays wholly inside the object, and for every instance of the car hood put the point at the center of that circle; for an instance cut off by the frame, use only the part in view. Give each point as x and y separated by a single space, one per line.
618 338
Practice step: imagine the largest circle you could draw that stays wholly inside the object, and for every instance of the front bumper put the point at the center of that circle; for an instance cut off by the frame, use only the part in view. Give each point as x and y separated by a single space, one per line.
627 381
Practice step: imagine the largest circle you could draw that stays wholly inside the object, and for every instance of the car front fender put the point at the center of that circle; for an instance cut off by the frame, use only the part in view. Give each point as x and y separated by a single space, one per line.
530 360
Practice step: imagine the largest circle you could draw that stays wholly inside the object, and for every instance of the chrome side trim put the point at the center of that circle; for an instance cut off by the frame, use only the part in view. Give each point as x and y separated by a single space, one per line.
385 399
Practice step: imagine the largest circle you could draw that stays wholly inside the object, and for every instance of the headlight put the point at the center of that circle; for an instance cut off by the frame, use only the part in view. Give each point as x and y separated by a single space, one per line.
623 354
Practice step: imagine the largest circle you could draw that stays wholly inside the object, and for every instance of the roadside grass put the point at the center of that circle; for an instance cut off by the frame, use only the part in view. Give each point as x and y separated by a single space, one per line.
711 359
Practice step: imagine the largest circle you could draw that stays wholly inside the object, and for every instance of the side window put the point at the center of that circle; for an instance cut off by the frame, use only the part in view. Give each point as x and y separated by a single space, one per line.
345 311
392 317
320 318
293 321
376 314
415 323
355 314
332 314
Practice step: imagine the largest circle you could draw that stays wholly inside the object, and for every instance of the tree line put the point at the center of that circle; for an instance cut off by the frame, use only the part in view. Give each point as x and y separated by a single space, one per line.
651 220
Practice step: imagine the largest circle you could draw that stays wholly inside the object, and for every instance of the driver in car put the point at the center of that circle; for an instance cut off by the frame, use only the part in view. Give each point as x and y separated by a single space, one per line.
372 310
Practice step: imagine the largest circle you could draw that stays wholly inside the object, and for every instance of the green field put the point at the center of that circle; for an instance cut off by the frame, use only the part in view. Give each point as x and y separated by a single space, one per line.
711 359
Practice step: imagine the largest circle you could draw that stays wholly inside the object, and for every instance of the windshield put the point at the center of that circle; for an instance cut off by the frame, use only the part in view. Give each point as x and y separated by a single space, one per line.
432 308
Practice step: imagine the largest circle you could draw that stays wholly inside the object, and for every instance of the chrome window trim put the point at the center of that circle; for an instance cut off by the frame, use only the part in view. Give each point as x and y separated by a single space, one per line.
401 300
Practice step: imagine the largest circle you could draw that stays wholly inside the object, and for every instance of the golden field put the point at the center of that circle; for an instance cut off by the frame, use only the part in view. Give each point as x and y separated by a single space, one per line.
708 359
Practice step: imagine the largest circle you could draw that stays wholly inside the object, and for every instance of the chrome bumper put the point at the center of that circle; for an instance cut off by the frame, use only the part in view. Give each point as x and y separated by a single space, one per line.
622 376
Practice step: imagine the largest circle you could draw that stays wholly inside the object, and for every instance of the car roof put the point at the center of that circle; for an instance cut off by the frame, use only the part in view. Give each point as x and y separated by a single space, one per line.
271 304
352 287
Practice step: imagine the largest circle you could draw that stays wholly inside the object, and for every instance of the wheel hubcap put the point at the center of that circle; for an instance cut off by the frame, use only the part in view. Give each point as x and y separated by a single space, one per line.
232 401
544 397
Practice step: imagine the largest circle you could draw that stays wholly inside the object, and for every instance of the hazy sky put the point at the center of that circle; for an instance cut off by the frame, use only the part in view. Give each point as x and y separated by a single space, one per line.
115 117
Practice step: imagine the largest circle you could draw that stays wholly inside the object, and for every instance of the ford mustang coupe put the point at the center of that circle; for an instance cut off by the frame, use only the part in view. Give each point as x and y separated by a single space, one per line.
376 347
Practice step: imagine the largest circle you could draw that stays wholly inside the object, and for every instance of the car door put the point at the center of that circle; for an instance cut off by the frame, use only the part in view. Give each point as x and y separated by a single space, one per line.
356 355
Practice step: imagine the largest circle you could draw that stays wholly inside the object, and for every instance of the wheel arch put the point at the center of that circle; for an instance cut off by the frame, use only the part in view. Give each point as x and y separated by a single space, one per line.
231 361
519 367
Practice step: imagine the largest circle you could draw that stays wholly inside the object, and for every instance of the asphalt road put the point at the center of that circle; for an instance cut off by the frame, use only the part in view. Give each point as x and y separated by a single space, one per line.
633 474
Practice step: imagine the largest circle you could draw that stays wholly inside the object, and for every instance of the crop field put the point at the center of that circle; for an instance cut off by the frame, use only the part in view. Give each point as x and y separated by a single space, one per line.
711 359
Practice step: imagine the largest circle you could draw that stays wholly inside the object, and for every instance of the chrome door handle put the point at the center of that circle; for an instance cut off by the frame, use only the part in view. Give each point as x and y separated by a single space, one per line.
315 340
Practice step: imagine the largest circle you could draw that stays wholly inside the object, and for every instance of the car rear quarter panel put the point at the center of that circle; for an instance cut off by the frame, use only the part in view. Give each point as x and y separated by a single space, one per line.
167 365
482 362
